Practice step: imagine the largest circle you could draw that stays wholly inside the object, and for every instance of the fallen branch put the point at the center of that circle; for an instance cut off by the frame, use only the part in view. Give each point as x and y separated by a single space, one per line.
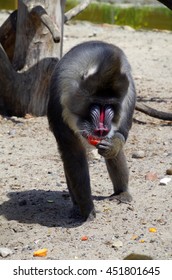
75 11
153 112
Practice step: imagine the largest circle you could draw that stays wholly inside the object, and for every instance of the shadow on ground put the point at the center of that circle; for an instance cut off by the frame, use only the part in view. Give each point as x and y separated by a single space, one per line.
47 208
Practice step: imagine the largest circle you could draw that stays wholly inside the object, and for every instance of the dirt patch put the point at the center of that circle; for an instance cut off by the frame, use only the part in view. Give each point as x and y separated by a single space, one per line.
35 203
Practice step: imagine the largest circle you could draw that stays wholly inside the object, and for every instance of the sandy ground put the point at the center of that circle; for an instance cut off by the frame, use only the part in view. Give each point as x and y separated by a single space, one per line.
35 205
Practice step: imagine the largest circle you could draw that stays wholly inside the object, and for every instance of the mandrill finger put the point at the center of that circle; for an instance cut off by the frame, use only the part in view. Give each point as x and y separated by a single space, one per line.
105 144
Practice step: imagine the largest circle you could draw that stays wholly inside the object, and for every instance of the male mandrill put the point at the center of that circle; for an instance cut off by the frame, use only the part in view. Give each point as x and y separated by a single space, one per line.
92 97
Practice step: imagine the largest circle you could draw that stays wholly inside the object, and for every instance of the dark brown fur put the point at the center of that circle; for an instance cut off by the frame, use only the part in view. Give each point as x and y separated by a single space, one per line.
92 73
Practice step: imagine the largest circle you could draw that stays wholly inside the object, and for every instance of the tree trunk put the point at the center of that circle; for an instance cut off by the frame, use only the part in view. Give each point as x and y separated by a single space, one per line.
29 50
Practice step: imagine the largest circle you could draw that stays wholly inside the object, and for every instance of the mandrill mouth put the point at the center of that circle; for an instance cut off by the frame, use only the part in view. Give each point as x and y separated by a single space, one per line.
93 141
102 117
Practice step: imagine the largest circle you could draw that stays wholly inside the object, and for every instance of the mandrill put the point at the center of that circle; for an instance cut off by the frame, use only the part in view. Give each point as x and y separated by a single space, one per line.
92 98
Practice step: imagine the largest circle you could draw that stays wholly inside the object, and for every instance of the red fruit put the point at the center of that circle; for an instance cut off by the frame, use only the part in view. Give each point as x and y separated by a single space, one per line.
93 141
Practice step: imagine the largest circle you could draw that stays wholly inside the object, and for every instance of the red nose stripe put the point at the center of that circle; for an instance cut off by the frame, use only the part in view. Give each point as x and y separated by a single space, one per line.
102 115
101 128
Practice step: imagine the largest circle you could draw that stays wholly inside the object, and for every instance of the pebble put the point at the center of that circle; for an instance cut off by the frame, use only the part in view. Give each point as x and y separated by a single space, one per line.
151 176
117 244
137 257
128 28
12 132
138 154
165 181
4 252
94 34
169 171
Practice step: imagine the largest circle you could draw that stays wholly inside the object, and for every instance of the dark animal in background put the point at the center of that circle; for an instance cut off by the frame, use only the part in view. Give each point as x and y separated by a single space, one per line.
92 99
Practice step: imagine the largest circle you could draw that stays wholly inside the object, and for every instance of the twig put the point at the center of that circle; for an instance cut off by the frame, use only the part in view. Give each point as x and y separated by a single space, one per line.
75 11
153 112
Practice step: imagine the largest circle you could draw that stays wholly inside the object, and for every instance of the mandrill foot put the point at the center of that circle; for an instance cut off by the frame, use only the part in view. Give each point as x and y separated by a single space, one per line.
123 197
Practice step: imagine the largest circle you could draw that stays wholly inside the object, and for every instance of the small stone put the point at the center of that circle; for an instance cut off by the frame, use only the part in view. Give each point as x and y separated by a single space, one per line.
12 132
28 116
15 187
169 171
165 181
138 154
137 257
128 28
150 176
117 244
4 252
26 248
94 34
135 237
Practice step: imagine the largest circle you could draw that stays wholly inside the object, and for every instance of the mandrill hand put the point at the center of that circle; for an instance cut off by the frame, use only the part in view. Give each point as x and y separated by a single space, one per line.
110 147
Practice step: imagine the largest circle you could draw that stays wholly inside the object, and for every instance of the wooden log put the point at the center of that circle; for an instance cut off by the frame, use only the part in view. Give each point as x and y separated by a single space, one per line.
8 34
24 83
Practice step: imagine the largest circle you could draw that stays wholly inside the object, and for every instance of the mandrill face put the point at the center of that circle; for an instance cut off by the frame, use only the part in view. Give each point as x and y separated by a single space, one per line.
99 123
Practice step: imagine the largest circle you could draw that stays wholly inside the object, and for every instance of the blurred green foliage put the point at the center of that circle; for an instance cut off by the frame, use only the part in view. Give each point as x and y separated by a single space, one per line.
148 17
8 4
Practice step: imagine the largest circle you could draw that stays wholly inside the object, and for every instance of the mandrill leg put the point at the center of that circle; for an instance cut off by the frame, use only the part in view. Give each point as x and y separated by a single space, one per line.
119 174
77 175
